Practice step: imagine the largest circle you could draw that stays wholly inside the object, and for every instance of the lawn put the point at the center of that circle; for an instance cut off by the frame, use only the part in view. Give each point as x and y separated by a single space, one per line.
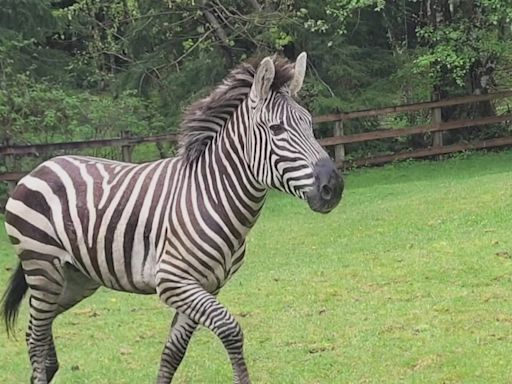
408 281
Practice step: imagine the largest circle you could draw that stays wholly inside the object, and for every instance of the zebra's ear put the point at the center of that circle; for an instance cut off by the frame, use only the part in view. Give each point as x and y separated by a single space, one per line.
300 72
263 80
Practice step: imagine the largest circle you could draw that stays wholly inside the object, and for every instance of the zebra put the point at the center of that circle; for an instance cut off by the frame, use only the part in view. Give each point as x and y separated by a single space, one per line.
175 227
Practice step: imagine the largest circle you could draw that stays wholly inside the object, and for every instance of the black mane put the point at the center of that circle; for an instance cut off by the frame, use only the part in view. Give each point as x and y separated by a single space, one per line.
205 118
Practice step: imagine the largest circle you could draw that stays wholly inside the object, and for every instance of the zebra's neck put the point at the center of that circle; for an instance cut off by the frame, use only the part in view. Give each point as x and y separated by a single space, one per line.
233 190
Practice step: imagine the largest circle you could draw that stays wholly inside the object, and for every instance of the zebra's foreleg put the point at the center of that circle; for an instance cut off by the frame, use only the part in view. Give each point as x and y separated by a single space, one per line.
202 307
182 328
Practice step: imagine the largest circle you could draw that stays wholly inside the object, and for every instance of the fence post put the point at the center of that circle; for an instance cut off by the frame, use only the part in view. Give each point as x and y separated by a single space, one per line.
339 149
10 165
437 119
126 150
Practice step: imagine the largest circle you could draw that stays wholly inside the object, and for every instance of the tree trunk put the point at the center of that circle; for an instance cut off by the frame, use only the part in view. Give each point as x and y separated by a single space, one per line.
254 4
219 31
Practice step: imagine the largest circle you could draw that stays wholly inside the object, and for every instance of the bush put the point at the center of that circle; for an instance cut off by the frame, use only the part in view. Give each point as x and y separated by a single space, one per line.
40 112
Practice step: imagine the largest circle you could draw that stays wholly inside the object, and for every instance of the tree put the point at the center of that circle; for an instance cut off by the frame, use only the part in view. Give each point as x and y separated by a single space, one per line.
362 53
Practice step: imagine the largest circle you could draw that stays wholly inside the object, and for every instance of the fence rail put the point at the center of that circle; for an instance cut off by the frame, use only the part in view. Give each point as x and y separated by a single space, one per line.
390 133
338 141
37 149
415 107
434 151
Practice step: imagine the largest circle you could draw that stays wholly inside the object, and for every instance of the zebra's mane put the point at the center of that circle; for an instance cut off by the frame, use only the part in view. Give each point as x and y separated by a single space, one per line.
205 118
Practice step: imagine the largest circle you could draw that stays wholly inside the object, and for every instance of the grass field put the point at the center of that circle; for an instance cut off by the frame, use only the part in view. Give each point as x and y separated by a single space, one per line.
408 281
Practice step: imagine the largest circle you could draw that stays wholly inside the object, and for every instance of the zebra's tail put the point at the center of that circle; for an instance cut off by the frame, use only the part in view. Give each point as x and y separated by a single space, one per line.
12 297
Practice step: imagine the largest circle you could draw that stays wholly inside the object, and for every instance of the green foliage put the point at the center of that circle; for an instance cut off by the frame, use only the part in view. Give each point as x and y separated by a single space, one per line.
69 69
335 15
471 39
37 112
31 19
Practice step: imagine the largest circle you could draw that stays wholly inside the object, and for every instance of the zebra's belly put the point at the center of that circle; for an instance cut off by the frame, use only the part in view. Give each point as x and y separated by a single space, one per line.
117 266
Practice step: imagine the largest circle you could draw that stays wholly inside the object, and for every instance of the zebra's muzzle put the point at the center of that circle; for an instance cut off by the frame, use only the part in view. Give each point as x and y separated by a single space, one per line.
328 187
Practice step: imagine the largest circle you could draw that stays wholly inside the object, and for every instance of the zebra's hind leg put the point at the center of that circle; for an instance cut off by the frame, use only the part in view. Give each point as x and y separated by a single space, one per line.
45 279
203 308
77 287
54 289
51 363
182 328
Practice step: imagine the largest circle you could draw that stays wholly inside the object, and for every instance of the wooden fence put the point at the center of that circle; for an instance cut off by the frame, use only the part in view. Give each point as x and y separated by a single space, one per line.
436 127
338 141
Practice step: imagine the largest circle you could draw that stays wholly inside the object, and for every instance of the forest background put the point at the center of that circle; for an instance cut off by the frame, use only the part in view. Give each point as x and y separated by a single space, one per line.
86 69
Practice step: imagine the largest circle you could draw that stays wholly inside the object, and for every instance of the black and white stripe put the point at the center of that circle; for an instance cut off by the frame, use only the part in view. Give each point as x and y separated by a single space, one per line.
175 227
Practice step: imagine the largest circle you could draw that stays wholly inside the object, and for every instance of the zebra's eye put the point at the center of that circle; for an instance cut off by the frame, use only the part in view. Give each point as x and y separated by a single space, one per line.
277 129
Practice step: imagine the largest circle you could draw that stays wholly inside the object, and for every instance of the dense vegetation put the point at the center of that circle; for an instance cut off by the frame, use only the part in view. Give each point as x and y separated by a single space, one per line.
78 69
409 280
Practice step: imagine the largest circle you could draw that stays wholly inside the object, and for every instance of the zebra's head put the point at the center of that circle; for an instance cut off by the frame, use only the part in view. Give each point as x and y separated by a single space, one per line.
281 148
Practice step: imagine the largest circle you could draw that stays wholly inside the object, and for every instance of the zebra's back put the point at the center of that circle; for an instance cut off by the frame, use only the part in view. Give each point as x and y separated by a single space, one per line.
106 218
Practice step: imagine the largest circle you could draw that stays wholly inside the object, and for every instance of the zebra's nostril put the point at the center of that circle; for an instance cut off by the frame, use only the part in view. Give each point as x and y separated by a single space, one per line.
326 192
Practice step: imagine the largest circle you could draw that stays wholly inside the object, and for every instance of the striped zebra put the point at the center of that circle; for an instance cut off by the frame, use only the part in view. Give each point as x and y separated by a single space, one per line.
175 227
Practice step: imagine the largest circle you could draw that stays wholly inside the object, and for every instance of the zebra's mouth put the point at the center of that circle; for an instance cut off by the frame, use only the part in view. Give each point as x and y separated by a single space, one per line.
323 206
328 188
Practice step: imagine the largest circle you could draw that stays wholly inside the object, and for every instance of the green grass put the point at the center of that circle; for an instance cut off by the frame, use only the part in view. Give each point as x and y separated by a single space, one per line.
408 281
